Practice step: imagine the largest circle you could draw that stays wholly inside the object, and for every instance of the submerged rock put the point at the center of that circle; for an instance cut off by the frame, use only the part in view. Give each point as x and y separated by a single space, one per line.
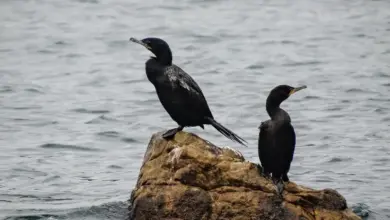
189 178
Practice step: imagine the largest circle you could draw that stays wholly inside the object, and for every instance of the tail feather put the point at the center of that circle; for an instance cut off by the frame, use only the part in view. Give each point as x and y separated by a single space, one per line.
226 132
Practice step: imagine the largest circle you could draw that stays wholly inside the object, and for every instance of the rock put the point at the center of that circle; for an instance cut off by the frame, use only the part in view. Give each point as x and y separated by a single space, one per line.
189 178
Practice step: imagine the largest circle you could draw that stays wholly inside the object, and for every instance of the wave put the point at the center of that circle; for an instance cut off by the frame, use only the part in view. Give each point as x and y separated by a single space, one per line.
107 211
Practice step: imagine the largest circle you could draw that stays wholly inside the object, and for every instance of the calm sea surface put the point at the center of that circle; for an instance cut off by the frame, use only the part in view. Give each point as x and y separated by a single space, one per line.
77 111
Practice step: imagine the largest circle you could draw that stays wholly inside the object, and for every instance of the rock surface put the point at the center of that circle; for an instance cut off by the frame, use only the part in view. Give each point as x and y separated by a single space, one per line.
189 178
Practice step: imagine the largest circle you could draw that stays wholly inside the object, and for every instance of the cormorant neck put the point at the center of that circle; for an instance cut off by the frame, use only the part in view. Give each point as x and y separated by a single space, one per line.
272 107
165 58
275 112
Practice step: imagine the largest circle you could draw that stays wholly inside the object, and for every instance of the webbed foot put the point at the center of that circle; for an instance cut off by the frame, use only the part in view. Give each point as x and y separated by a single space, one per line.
171 132
279 185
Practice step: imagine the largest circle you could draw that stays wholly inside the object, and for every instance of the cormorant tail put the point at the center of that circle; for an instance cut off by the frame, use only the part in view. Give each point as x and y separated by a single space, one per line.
226 132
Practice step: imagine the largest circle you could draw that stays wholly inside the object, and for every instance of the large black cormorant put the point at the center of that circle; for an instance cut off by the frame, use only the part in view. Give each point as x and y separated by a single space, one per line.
179 94
276 142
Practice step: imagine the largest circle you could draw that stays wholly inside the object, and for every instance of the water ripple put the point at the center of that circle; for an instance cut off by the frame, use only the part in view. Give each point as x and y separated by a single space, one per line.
100 119
71 82
362 210
88 111
307 63
67 147
339 159
109 134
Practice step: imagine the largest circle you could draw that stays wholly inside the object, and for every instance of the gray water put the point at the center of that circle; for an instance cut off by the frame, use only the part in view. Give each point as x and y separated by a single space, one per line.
77 111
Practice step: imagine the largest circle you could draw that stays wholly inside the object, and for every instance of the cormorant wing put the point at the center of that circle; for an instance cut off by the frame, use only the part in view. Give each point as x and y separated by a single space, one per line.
286 141
184 99
185 80
265 145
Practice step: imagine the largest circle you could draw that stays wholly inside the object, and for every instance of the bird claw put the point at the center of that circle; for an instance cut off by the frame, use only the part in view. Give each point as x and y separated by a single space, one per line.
171 133
279 185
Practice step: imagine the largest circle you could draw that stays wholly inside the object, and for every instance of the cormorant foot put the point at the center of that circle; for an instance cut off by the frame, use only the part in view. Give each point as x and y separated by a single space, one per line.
279 185
267 175
171 132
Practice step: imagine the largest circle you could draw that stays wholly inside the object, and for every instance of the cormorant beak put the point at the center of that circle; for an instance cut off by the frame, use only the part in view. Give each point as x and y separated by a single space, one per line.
132 39
296 89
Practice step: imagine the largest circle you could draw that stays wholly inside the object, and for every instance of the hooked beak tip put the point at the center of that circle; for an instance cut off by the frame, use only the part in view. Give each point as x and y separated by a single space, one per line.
132 39
297 89
301 87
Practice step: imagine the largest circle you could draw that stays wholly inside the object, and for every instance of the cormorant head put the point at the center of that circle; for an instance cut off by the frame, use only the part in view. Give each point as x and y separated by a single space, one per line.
281 93
158 47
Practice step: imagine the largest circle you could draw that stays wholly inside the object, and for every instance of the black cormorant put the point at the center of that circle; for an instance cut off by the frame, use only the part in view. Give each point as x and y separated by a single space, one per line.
179 94
276 142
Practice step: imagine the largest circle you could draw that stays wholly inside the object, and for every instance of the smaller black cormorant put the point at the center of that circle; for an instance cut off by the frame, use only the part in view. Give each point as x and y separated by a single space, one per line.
276 142
179 94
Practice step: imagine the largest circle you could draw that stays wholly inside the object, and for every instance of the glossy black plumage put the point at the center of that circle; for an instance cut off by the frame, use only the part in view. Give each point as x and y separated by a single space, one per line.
276 143
179 94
